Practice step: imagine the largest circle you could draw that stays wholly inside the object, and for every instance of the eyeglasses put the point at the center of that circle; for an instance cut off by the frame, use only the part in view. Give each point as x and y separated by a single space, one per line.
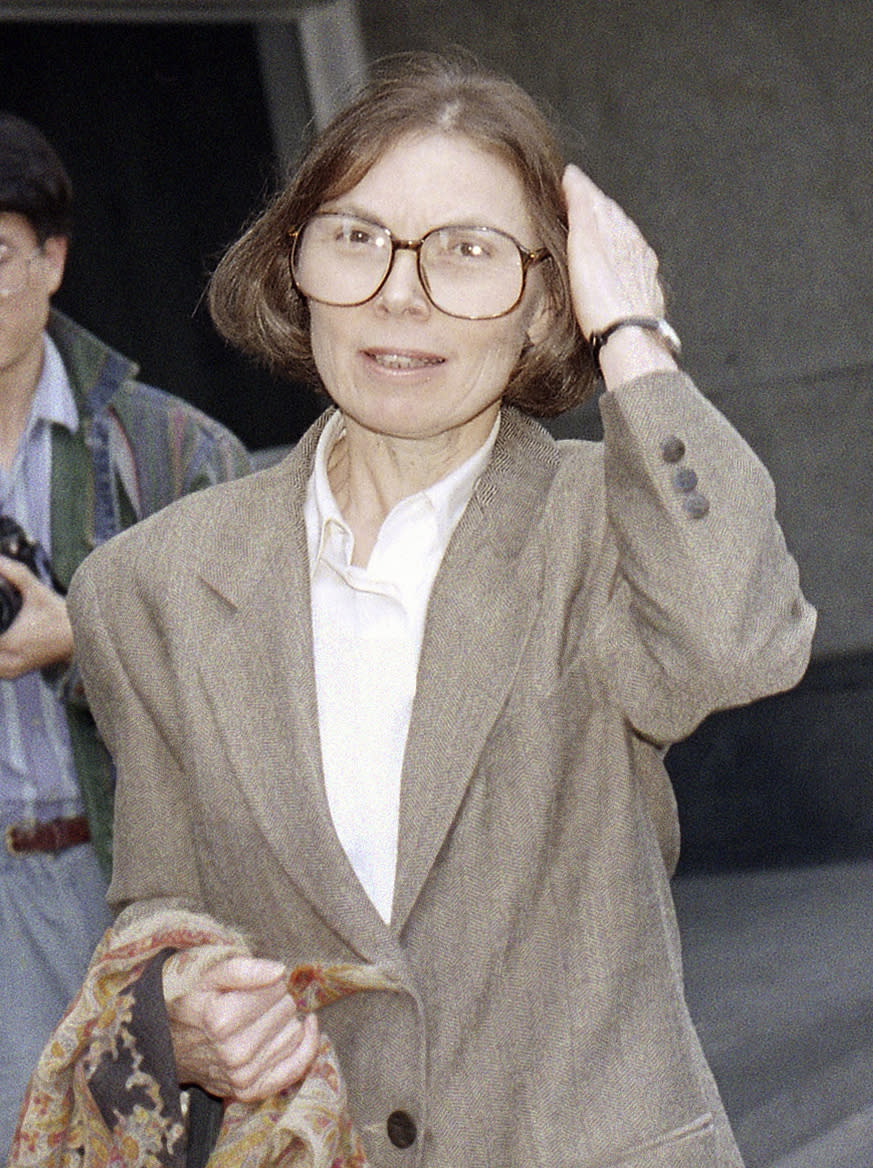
14 269
476 273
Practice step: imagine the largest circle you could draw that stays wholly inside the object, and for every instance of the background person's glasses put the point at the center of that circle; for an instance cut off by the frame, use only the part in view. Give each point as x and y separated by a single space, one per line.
14 269
476 273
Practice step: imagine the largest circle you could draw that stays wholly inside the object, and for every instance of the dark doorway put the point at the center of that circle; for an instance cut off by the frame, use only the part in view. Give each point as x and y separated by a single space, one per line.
165 132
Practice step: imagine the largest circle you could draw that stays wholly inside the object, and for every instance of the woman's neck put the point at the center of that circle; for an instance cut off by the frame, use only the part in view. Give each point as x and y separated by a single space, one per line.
370 473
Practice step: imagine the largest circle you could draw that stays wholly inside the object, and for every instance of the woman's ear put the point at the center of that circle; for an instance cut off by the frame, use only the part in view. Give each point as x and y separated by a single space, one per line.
541 321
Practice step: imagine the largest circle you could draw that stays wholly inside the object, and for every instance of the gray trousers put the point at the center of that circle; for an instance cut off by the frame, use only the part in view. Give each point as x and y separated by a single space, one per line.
52 914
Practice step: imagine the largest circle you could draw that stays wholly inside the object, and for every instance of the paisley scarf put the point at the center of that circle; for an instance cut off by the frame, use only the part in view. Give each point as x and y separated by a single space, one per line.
104 1091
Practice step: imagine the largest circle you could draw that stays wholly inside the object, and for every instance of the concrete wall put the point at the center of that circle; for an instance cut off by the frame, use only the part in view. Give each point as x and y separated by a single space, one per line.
738 133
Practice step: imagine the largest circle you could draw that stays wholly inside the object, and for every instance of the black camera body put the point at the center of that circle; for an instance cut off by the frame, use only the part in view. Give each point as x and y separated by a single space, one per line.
17 545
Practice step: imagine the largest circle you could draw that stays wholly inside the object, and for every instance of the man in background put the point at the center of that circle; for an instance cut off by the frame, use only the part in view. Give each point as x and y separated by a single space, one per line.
85 450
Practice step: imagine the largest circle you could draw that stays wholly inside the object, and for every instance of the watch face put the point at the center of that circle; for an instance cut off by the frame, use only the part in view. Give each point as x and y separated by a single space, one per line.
670 336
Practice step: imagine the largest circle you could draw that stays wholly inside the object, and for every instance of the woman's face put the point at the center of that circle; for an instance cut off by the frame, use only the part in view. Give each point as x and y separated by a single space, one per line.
397 365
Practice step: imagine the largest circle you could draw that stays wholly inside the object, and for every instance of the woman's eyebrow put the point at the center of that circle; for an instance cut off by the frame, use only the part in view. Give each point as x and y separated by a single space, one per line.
353 210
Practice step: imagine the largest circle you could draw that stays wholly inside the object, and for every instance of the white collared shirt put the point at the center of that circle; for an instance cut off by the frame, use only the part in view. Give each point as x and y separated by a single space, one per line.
367 628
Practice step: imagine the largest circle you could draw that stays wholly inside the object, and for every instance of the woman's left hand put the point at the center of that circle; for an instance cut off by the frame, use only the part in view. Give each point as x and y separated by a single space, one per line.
238 1034
613 274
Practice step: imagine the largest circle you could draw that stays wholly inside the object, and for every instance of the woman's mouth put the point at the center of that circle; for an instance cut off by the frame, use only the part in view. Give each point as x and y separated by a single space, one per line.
403 360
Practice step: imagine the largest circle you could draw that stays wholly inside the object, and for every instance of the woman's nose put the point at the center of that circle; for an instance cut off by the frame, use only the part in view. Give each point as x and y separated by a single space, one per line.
402 290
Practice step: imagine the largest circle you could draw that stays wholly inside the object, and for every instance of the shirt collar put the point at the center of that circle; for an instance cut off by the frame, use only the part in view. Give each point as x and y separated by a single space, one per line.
53 399
451 494
447 498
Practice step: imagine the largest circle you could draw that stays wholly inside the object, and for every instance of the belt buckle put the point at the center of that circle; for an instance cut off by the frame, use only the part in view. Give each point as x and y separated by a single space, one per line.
10 843
9 832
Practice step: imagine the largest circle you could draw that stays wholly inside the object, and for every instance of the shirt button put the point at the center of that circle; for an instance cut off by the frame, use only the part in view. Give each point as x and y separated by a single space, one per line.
401 1129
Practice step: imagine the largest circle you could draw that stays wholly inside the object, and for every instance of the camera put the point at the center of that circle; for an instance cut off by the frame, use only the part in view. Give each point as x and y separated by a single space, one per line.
17 545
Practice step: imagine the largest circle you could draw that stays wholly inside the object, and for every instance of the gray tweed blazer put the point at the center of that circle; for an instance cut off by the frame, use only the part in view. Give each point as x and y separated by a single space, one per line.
596 602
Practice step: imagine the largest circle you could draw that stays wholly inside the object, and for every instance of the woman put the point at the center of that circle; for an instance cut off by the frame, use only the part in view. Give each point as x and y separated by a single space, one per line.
403 699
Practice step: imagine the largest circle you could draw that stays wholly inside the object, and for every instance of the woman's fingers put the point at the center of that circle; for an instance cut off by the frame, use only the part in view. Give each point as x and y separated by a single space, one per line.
241 991
279 1067
267 1058
245 973
238 1034
613 271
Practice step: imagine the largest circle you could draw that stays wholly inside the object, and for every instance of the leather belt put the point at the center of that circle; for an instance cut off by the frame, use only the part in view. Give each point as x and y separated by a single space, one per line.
22 839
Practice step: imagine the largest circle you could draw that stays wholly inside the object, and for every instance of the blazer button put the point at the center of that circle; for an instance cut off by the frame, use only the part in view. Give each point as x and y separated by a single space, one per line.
401 1129
672 448
684 479
696 505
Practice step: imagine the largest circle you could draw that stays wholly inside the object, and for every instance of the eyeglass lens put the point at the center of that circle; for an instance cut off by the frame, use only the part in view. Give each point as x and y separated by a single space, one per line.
471 272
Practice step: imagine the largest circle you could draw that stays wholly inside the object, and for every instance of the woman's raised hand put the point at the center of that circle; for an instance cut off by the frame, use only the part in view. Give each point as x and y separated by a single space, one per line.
613 274
613 271
238 1034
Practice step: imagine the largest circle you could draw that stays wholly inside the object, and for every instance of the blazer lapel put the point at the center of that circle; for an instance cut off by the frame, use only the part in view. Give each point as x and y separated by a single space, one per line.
484 603
259 680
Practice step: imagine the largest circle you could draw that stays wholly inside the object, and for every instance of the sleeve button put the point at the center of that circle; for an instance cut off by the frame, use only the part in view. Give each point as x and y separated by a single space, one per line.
684 479
695 505
672 448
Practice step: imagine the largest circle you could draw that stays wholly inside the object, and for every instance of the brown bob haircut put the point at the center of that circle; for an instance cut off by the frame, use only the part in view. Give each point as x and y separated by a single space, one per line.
252 299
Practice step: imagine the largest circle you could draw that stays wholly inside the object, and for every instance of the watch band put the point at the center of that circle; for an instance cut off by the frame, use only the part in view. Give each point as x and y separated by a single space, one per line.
653 324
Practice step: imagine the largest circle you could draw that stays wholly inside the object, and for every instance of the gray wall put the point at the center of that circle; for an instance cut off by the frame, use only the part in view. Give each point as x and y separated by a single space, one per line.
738 134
